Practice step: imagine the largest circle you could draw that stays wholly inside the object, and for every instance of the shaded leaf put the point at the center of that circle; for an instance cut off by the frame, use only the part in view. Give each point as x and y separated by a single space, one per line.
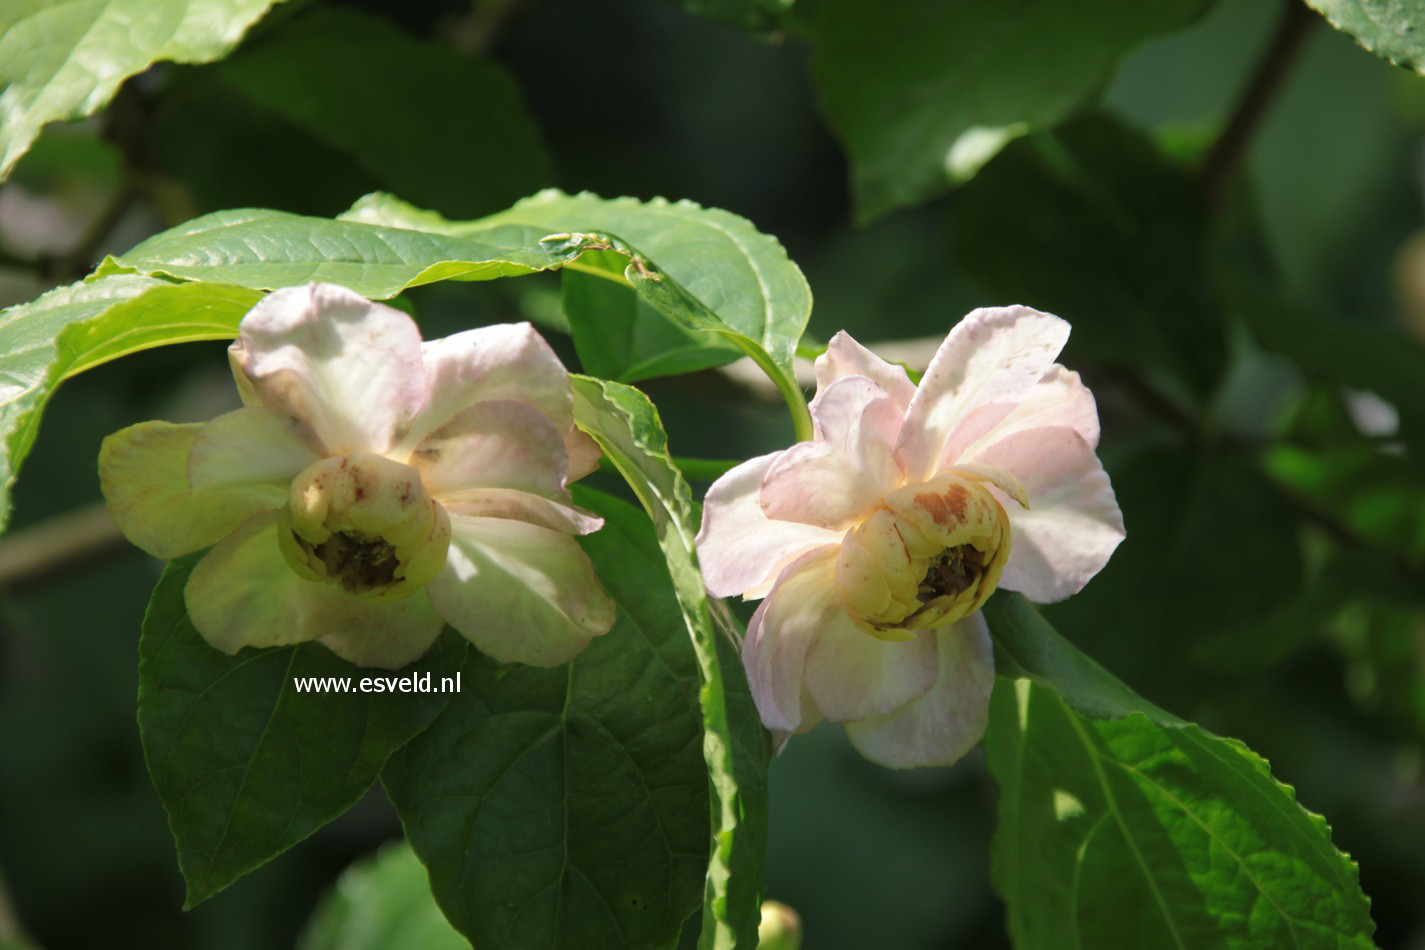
753 16
923 94
567 807
1093 224
361 86
246 764
619 335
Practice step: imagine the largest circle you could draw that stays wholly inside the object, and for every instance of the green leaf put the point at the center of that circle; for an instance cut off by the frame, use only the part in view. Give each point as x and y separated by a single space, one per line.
66 60
265 250
1093 224
383 903
924 94
71 329
1141 830
744 288
1392 29
627 428
246 764
620 335
1027 647
361 86
567 807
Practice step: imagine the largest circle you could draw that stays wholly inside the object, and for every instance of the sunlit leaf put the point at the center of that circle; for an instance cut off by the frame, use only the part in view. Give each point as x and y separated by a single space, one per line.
1121 826
73 328
628 429
383 903
66 60
1392 29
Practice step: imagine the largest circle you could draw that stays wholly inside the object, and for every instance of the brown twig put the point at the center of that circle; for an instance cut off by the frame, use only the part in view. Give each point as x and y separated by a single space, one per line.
56 543
1227 153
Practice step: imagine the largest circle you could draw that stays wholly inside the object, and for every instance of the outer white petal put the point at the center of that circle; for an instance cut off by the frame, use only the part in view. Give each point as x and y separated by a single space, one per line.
1058 399
563 516
500 444
243 594
740 549
1073 522
843 474
779 634
143 471
383 635
852 675
994 355
349 367
845 357
945 723
506 361
520 592
252 446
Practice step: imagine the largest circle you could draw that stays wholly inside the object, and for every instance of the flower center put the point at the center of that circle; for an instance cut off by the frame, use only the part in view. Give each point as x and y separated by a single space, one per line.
952 572
366 524
929 555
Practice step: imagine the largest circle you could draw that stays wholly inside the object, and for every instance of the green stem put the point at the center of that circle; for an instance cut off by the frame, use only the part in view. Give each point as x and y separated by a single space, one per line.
786 385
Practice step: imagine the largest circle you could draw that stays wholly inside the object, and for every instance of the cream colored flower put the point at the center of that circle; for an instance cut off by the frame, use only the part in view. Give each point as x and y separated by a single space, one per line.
373 489
876 543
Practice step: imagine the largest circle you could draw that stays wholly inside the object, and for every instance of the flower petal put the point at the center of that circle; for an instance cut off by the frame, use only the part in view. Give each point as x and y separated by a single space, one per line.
500 444
349 367
1058 399
740 549
845 357
509 361
994 355
522 506
848 469
584 454
386 635
520 592
143 471
780 633
251 447
945 723
244 594
1073 522
852 675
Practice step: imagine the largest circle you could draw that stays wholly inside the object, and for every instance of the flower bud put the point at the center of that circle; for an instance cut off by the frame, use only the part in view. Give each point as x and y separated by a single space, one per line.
928 555
780 927
365 523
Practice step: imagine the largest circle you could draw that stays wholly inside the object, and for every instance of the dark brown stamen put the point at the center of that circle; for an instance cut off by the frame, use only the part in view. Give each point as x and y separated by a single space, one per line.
357 562
952 571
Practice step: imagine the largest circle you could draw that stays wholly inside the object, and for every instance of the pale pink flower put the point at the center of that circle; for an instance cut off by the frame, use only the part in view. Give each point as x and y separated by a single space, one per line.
373 489
876 543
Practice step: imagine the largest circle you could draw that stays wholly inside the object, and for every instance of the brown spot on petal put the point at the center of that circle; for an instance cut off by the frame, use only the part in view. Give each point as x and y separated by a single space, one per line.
945 509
